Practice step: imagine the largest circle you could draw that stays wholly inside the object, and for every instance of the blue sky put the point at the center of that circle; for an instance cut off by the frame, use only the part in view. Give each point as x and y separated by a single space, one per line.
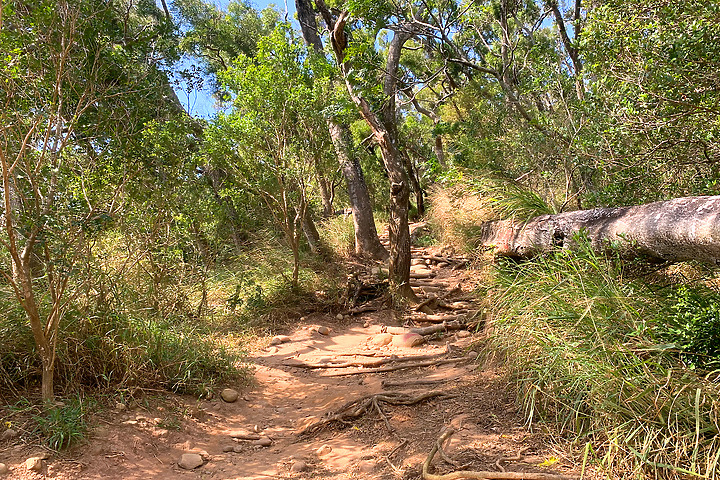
199 102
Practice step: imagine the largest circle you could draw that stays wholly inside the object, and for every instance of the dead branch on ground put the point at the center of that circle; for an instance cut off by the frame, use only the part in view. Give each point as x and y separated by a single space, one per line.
372 363
480 475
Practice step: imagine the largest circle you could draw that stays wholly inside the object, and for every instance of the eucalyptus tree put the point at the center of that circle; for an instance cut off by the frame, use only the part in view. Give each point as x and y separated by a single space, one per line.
274 132
367 242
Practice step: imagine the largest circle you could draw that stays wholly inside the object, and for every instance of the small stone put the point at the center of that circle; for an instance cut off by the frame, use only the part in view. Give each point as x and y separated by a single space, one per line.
366 324
472 354
229 448
237 449
408 340
299 466
160 433
34 464
262 442
382 339
323 330
120 407
278 339
8 434
366 466
324 450
463 334
189 461
3 469
339 316
229 395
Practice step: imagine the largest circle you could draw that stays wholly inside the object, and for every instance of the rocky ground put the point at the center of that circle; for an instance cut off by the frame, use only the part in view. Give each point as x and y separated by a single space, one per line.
355 395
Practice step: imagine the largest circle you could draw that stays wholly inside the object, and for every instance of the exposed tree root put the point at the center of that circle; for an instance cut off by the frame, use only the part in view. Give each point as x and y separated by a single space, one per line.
414 383
371 363
356 408
429 330
392 368
480 475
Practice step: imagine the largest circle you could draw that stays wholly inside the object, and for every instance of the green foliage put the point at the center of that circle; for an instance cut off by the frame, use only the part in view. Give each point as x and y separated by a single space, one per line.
65 425
692 325
582 344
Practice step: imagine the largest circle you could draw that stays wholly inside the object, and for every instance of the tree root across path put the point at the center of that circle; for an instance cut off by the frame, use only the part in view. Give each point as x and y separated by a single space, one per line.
403 366
375 362
356 408
479 475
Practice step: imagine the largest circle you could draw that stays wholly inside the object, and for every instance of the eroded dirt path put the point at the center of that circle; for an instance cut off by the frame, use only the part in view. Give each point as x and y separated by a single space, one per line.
385 442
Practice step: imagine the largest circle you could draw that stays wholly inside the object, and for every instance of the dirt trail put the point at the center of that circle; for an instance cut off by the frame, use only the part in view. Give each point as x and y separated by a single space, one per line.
147 441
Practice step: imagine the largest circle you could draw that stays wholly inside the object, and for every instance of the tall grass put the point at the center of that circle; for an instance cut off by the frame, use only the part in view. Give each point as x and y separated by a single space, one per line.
588 351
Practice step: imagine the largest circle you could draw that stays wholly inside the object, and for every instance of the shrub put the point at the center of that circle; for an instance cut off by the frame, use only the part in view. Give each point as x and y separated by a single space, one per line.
692 325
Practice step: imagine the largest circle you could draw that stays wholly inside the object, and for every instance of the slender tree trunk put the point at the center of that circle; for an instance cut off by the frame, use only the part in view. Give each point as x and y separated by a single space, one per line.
384 128
675 230
367 243
310 230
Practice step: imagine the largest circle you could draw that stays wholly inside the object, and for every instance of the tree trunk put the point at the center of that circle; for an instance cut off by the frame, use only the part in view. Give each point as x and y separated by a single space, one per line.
310 230
384 128
674 230
367 243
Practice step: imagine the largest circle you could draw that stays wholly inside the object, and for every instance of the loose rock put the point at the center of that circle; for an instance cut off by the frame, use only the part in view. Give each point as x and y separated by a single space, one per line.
262 442
229 395
189 461
8 434
299 466
34 464
339 316
323 330
408 340
463 334
3 469
324 450
278 339
229 448
366 466
382 339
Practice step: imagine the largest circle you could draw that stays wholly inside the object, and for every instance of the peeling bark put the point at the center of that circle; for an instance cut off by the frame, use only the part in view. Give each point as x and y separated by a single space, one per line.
681 229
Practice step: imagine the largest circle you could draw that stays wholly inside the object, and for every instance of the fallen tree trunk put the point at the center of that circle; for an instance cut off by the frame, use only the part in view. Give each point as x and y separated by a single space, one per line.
675 230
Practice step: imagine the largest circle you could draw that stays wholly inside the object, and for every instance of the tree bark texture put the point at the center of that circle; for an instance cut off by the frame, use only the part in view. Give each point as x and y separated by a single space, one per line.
367 242
681 229
384 129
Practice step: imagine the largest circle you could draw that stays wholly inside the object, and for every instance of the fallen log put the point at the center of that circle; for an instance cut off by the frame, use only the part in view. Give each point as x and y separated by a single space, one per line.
375 362
681 229
436 318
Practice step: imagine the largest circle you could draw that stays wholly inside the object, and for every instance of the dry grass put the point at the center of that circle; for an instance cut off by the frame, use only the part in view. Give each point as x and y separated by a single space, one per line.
455 213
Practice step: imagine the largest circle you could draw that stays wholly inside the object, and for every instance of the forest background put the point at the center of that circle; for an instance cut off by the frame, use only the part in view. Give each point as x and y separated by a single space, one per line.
142 247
